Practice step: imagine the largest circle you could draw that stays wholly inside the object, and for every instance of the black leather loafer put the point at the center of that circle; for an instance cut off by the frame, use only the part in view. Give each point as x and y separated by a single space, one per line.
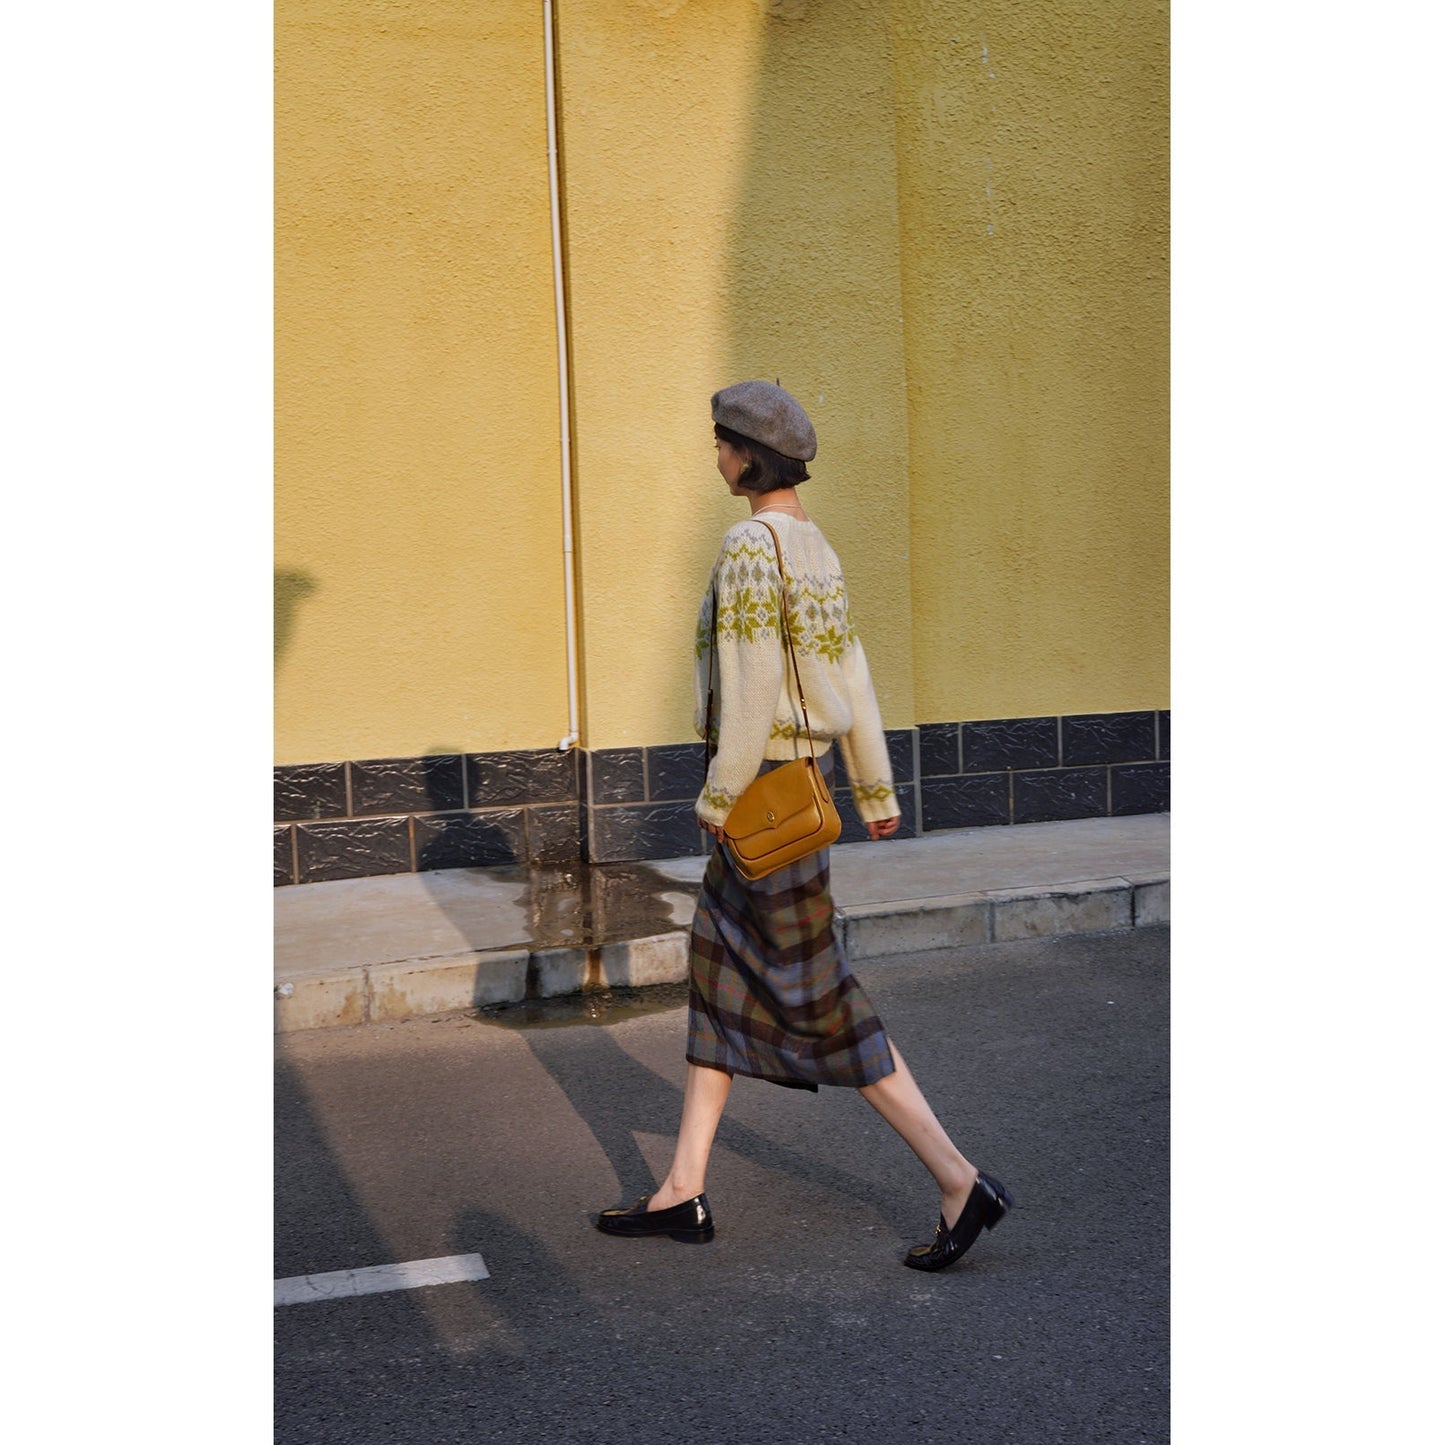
689 1222
987 1203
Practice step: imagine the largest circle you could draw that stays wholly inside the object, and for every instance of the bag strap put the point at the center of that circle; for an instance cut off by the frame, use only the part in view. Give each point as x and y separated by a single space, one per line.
708 744
708 747
788 631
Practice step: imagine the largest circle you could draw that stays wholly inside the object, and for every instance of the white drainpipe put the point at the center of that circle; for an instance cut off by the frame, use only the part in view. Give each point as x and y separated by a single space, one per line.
565 403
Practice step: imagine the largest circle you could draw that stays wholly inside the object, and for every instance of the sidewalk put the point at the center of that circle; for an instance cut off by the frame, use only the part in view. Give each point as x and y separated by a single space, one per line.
364 950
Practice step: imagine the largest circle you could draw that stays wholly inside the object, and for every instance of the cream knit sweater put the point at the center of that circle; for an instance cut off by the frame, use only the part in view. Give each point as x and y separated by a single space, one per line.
756 714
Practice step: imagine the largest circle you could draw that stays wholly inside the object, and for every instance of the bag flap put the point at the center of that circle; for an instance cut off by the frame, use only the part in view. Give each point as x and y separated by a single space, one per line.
788 808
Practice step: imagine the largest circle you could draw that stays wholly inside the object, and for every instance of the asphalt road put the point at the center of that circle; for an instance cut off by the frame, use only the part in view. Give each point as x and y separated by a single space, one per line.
1047 1061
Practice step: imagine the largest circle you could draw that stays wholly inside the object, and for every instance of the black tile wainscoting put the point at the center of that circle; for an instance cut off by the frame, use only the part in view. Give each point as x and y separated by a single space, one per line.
407 815
613 805
1046 769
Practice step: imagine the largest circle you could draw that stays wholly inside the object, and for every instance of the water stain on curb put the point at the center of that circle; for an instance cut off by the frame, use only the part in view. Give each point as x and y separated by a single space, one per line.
601 1005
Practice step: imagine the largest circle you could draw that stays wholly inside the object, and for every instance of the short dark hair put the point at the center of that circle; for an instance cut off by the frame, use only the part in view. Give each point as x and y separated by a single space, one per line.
765 469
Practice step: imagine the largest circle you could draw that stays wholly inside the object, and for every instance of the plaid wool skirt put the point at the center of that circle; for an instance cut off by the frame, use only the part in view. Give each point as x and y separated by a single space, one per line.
771 995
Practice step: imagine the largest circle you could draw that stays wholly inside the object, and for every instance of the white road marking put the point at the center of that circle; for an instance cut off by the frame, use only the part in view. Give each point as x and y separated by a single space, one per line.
380 1278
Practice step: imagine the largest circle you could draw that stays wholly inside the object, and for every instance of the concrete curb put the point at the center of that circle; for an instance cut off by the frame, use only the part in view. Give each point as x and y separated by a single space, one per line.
418 988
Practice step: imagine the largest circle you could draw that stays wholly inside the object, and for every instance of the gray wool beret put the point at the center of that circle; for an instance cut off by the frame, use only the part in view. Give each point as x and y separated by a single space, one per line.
767 414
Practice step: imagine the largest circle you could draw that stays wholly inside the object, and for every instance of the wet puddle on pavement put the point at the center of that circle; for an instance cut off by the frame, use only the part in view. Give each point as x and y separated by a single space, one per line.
600 903
588 907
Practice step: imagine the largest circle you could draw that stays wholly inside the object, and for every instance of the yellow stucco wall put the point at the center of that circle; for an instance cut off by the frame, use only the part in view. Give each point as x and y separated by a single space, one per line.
418 506
731 213
943 225
1033 159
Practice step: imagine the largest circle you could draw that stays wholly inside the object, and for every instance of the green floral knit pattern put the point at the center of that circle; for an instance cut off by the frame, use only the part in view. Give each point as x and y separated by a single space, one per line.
718 798
879 792
745 583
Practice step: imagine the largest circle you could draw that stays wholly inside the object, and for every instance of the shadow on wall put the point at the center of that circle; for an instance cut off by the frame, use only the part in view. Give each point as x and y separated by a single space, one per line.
812 296
807 261
812 268
445 837
785 238
290 585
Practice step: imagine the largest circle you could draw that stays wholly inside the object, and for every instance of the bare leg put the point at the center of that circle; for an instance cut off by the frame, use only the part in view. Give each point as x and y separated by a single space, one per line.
702 1105
900 1101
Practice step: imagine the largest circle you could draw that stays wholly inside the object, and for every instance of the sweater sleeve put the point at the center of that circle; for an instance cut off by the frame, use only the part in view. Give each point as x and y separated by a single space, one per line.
749 669
863 746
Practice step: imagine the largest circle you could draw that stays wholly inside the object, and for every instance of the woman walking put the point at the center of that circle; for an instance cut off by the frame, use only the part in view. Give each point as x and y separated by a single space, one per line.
771 993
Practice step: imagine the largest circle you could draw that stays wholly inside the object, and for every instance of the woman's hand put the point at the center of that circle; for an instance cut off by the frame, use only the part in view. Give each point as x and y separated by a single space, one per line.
714 828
